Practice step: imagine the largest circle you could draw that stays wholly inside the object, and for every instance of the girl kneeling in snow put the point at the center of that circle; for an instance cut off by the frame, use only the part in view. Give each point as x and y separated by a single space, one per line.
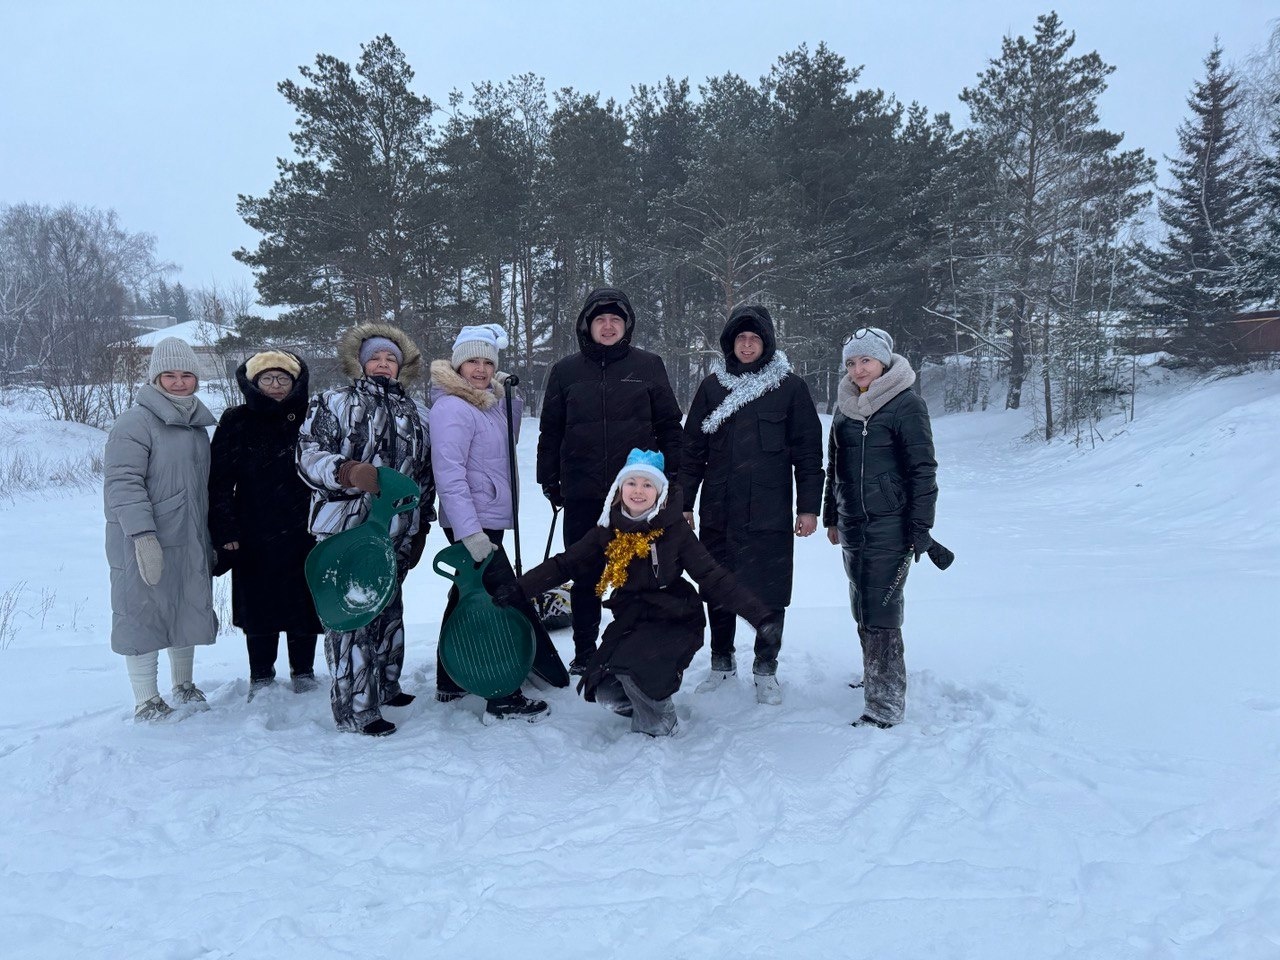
658 621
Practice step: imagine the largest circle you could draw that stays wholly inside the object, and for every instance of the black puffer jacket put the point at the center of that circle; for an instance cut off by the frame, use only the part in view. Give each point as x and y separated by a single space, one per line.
745 464
881 488
601 403
657 618
257 498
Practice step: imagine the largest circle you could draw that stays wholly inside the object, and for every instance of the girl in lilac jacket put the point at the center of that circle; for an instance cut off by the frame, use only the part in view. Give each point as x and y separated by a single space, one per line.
470 460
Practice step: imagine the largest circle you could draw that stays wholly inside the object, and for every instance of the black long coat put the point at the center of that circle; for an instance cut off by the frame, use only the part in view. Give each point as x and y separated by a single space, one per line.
745 468
257 498
599 404
657 618
881 487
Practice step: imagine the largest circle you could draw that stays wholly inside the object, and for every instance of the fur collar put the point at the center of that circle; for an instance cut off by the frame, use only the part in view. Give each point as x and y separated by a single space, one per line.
860 406
744 387
451 383
349 350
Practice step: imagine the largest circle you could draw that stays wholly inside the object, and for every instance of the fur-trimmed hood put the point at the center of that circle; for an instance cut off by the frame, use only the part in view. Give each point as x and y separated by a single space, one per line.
349 350
446 381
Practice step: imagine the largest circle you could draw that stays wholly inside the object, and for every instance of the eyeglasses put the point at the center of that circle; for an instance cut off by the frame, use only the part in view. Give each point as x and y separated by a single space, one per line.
275 379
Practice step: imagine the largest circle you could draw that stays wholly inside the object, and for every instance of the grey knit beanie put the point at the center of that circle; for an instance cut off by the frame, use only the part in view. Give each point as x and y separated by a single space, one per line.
869 342
172 354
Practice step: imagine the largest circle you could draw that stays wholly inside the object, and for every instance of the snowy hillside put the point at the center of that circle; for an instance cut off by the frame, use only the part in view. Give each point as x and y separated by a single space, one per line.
1090 768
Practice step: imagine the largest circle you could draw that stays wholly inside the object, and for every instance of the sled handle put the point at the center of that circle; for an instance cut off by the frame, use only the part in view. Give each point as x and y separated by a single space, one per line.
454 563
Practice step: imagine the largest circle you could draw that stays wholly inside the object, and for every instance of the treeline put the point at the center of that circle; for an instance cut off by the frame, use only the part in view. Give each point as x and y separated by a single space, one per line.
1011 244
1023 247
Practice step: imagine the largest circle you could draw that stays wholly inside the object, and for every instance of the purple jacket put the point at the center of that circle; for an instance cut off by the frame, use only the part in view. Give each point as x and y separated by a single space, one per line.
469 452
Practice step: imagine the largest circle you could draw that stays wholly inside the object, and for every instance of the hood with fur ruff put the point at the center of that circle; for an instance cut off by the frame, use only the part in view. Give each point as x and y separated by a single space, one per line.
349 350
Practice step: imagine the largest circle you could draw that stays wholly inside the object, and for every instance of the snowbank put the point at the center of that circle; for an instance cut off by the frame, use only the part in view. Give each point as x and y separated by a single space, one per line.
1089 767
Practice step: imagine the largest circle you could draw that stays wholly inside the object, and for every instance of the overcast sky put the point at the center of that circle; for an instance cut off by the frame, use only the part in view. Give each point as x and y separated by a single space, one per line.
165 111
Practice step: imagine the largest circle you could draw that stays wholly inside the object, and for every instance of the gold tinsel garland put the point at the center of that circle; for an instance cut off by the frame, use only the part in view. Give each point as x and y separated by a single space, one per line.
622 549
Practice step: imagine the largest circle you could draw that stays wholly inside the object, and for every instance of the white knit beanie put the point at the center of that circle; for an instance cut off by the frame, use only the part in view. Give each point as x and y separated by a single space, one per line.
172 354
869 342
478 343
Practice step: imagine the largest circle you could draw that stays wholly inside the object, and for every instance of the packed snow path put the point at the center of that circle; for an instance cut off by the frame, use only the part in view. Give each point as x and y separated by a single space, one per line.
1088 770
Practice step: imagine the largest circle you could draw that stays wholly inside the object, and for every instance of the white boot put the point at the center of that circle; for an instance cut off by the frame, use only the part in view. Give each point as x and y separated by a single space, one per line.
722 668
767 690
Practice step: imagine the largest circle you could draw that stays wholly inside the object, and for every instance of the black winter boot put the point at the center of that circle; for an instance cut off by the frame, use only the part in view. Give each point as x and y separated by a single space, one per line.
866 720
516 706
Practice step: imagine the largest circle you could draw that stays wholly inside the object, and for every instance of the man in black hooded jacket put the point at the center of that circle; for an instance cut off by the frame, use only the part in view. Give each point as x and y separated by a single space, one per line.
599 404
752 439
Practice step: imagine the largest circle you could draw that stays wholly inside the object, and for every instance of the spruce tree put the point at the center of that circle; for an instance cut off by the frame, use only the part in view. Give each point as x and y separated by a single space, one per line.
1261 273
1193 278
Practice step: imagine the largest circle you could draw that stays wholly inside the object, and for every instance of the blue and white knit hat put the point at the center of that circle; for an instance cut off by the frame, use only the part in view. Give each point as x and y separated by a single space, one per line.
640 463
869 342
478 343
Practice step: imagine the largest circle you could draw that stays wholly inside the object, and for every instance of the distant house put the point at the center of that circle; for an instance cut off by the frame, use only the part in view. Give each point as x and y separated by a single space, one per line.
1255 333
203 338
145 323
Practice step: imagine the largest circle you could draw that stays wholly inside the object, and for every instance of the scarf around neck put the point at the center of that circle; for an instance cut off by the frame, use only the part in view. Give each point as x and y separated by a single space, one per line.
745 387
185 406
860 406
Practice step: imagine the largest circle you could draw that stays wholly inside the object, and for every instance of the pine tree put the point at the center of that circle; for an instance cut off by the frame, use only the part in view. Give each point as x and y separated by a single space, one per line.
1035 112
1193 279
348 233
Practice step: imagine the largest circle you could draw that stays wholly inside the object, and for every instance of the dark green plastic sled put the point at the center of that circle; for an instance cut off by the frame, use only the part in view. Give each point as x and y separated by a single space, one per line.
352 575
488 650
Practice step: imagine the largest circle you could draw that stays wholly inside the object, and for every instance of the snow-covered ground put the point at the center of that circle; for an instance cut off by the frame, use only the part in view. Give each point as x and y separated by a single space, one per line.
1089 768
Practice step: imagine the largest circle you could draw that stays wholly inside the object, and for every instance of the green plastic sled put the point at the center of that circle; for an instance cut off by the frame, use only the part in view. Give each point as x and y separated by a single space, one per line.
352 575
488 650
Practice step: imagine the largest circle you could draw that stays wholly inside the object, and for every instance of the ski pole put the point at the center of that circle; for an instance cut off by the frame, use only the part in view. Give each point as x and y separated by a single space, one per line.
555 515
897 580
511 382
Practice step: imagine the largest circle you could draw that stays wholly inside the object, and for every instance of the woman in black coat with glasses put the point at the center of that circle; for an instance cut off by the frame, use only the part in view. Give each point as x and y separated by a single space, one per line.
258 509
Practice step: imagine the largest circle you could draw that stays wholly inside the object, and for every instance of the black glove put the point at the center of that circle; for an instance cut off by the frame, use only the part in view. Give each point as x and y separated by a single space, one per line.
921 541
418 543
941 556
507 594
552 492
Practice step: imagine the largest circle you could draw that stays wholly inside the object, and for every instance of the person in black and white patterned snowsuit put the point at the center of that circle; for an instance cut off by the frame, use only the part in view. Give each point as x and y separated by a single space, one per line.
350 432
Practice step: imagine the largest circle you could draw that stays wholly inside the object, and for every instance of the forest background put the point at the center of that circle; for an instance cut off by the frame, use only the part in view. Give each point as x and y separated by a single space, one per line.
1026 251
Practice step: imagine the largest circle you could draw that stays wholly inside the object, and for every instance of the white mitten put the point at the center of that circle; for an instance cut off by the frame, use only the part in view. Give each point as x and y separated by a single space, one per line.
147 549
478 545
